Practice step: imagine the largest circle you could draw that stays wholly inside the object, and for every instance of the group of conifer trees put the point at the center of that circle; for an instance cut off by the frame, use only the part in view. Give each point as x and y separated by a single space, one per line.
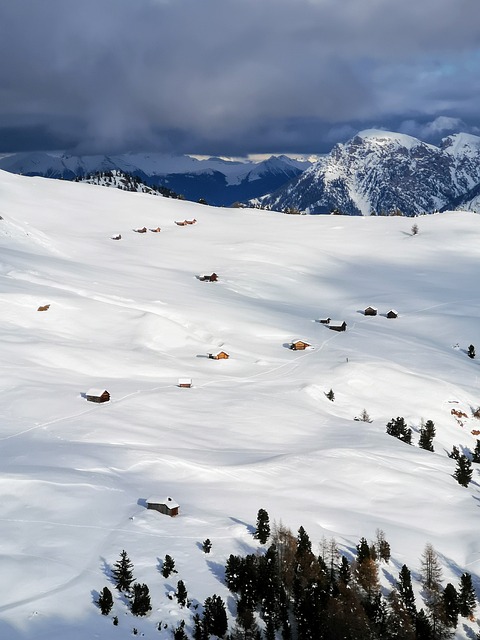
291 593
300 595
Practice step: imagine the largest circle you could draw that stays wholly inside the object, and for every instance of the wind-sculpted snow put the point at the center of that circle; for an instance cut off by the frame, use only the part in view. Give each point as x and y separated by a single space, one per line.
254 431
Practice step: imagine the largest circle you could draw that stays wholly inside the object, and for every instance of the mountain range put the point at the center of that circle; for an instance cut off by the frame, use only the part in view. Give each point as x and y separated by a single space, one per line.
220 182
381 171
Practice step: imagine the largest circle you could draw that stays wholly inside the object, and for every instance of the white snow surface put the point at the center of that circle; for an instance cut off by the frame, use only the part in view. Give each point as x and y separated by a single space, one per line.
256 430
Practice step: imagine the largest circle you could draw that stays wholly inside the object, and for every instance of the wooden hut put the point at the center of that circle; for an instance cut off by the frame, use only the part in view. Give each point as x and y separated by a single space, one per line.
223 355
370 311
324 320
45 307
167 506
97 395
212 278
299 345
185 383
392 314
337 325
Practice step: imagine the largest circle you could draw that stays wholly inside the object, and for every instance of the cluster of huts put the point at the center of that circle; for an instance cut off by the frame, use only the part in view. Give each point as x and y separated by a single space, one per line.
373 311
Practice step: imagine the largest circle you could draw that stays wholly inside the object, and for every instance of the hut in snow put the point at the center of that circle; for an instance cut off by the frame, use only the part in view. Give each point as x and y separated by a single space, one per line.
370 311
299 345
392 314
97 395
167 506
223 355
185 383
337 325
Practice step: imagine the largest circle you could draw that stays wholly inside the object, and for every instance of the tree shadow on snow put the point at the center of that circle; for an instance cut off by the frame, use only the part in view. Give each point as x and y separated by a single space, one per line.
250 528
95 596
217 569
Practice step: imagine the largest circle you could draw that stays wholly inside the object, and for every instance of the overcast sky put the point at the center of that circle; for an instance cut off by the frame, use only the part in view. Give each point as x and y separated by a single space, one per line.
232 77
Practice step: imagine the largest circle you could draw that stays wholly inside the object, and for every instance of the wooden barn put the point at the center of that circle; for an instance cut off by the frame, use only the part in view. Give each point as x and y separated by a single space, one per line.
167 506
97 395
212 278
392 314
370 311
185 383
337 325
223 355
299 345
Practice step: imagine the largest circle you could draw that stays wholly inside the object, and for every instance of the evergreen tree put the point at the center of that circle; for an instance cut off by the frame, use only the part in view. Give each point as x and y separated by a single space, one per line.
405 591
471 351
344 573
450 605
399 625
427 433
199 632
179 632
168 566
207 546
466 597
423 627
140 604
330 395
454 453
463 471
122 572
105 601
364 417
215 616
398 429
262 531
476 453
181 593
363 550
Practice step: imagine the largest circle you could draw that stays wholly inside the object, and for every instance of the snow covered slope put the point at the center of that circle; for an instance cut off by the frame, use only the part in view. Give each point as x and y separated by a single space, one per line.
382 171
254 431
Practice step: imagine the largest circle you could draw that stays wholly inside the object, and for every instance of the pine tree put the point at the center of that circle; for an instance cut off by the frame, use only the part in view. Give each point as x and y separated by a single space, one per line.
454 453
363 550
206 545
181 593
463 471
215 616
105 601
262 531
122 572
179 632
467 600
450 605
344 572
330 395
423 627
398 429
168 566
471 351
140 604
405 590
427 433
364 417
476 453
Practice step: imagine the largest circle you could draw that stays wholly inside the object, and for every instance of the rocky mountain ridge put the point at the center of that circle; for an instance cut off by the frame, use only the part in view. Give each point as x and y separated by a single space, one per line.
381 172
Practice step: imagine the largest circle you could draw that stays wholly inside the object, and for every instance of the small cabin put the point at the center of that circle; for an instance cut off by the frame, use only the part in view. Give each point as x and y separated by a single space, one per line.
194 221
324 320
167 506
370 311
212 278
392 314
181 223
223 355
142 230
117 237
299 345
337 325
45 307
97 395
157 230
185 383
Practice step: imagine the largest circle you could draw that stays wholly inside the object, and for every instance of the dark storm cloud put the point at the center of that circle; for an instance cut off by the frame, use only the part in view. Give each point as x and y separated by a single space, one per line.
231 76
